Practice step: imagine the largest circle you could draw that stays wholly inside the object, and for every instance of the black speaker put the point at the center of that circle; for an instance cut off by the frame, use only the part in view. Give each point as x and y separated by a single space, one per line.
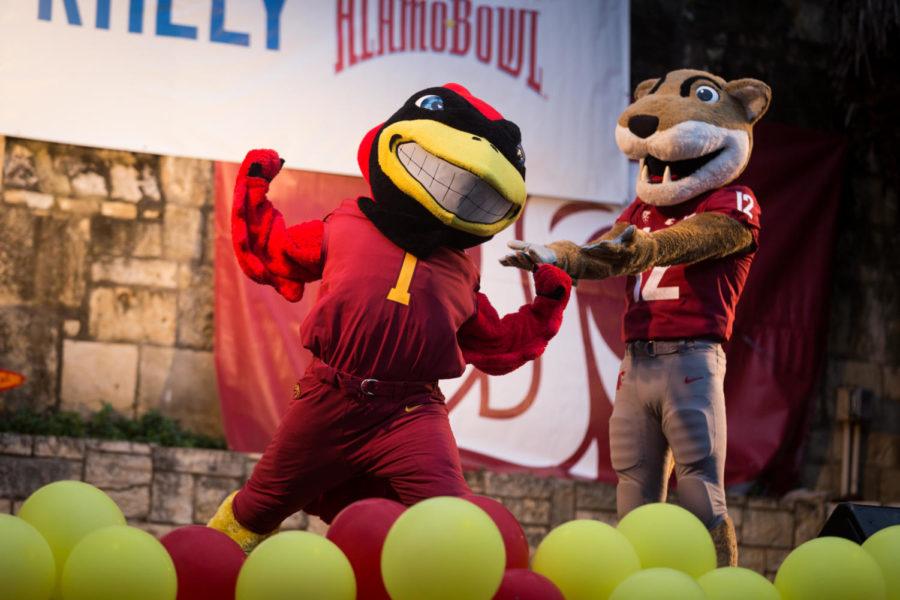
856 522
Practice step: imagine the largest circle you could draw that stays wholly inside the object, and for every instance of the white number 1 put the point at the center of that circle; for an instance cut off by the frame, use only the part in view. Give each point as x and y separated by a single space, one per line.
652 290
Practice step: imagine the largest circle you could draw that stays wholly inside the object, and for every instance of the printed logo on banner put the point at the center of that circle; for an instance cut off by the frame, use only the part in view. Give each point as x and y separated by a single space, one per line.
466 29
165 26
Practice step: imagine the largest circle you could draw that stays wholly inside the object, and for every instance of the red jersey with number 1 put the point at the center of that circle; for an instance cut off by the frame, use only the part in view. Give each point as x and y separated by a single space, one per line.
383 313
689 301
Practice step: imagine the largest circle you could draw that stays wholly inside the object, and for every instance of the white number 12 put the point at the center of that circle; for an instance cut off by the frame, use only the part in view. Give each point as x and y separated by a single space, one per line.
652 290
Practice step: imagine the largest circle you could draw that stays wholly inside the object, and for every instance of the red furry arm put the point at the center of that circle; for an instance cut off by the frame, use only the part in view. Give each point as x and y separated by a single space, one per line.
498 346
268 251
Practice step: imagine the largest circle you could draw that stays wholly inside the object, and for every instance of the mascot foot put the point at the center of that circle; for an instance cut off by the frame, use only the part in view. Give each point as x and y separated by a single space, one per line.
725 542
225 522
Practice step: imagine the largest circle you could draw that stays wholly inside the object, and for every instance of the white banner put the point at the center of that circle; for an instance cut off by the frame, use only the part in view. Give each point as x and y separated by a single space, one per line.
214 78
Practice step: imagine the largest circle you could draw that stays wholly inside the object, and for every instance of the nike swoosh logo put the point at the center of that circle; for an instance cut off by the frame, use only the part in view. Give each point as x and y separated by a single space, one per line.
409 408
692 379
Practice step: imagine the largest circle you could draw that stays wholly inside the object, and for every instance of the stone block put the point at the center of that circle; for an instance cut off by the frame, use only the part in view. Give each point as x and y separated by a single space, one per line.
16 255
604 516
79 206
119 447
89 184
16 443
197 460
115 237
172 499
181 233
61 261
770 528
95 373
149 272
475 480
562 503
117 471
124 183
737 515
157 530
132 315
535 535
518 485
882 450
119 210
189 393
19 167
33 200
774 558
20 476
209 493
529 511
209 237
59 447
155 369
29 338
6 505
134 501
186 181
752 558
595 496
195 310
889 490
71 327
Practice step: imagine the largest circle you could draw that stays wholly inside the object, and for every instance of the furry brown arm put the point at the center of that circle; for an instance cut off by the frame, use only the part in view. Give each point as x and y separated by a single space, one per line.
626 250
571 259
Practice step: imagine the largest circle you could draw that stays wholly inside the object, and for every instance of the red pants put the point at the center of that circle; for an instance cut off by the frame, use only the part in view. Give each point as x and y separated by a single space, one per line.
338 444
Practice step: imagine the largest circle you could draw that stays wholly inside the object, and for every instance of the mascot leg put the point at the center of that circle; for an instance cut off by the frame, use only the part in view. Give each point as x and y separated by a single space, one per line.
638 449
225 521
694 424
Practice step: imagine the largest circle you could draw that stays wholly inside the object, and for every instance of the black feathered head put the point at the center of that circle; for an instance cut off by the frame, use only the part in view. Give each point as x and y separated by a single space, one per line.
445 170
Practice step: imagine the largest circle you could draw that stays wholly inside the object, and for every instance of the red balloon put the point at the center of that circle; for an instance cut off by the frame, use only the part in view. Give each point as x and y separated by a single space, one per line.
206 560
513 536
359 530
522 584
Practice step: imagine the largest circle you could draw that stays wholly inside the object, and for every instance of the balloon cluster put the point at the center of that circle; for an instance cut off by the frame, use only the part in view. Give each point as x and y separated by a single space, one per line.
70 542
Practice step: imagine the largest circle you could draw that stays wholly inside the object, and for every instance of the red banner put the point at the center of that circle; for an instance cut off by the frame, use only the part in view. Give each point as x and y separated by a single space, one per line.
773 359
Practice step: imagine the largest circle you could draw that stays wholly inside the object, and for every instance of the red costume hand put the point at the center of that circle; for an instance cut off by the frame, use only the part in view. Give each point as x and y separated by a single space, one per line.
261 163
552 282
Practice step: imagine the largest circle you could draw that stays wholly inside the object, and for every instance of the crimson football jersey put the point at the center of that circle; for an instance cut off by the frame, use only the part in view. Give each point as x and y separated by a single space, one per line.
689 301
383 313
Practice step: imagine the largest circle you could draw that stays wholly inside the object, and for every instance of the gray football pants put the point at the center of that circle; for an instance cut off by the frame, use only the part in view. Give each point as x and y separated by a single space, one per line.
670 398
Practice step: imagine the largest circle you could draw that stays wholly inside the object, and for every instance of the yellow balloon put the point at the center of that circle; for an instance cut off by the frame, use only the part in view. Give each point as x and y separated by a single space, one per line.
659 583
65 511
736 583
884 547
27 568
443 548
119 563
296 564
666 535
830 568
585 559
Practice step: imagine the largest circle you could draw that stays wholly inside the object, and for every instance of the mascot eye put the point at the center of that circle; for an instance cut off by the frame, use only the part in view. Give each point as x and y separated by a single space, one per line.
707 94
520 154
430 102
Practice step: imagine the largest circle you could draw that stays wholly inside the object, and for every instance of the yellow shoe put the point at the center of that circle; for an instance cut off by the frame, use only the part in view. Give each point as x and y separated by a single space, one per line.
225 522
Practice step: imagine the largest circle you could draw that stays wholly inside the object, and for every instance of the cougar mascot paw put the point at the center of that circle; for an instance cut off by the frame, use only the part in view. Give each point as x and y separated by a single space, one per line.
398 309
686 244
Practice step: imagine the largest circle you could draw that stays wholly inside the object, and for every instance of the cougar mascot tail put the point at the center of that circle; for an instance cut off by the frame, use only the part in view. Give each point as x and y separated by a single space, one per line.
686 244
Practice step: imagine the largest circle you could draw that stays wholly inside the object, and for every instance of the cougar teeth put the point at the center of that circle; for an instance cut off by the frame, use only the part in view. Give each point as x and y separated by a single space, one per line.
667 175
645 174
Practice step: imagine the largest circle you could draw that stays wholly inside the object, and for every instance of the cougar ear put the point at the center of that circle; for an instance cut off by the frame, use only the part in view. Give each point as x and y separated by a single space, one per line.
643 87
754 96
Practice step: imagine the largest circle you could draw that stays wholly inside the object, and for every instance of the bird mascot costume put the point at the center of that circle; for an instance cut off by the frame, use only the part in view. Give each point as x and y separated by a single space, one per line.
398 309
686 244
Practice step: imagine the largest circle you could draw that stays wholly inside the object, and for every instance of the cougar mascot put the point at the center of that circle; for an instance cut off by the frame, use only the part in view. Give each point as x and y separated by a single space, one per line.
398 309
686 244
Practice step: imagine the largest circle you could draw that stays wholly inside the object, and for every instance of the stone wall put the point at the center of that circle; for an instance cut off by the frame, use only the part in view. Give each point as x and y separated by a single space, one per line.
106 285
160 489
